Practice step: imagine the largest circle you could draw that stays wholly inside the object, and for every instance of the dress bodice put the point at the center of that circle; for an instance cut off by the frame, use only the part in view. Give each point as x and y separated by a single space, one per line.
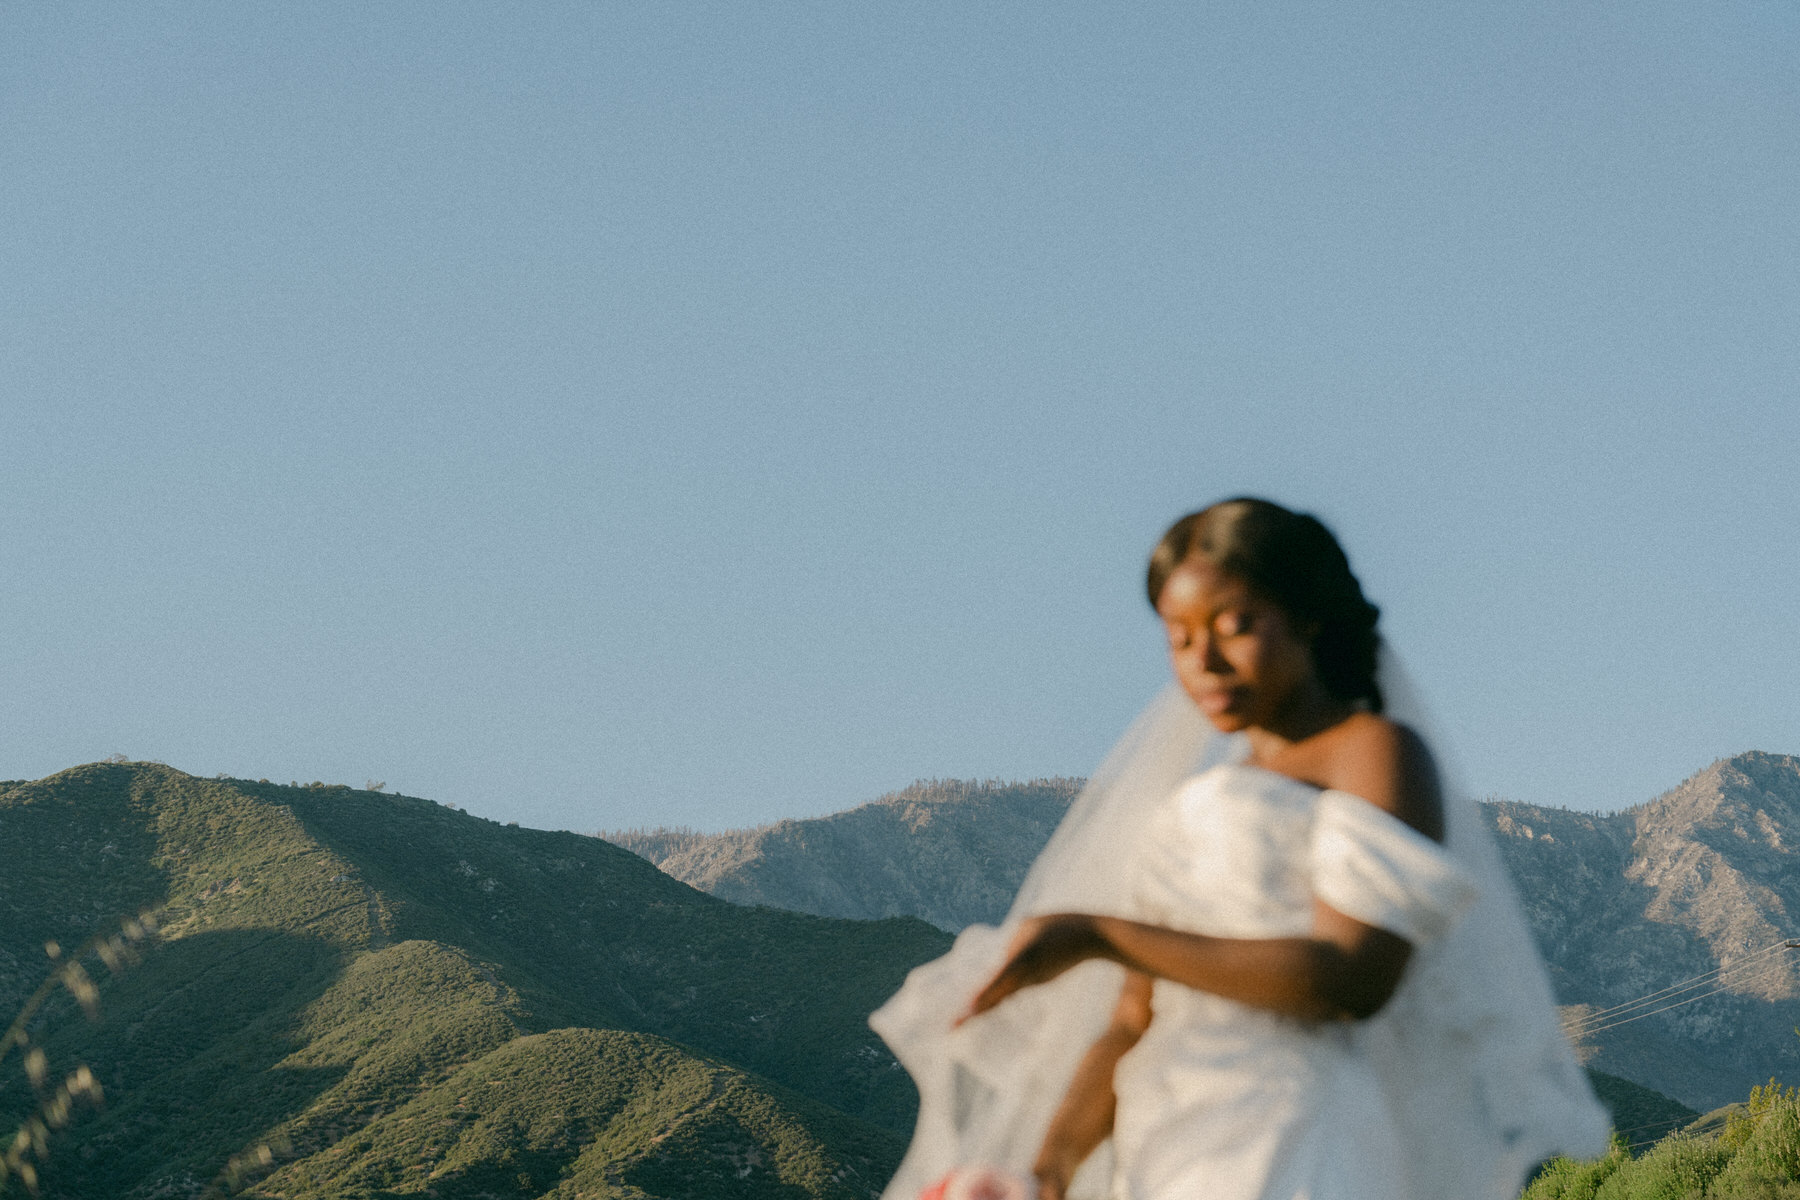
1239 1103
1242 851
1227 855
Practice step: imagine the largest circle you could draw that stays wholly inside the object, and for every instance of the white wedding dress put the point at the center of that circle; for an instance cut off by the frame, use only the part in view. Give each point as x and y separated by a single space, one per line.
1451 1092
1228 1102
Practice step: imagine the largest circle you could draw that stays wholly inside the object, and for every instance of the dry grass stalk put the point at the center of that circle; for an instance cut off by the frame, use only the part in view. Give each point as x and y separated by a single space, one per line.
29 1148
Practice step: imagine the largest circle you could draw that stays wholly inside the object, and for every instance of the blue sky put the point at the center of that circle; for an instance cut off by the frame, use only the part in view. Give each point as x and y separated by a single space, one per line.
606 415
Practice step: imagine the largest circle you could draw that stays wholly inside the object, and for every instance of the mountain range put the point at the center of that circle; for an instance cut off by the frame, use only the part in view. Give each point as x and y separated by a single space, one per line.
354 994
1623 905
949 852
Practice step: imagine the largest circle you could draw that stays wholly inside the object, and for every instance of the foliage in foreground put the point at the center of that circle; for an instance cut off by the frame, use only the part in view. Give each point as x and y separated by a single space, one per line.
1756 1156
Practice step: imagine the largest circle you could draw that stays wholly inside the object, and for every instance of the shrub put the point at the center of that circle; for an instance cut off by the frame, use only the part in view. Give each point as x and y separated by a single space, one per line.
1569 1179
1766 1138
1677 1168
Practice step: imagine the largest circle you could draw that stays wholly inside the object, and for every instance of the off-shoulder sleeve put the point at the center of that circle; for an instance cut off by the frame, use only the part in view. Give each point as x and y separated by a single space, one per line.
1371 865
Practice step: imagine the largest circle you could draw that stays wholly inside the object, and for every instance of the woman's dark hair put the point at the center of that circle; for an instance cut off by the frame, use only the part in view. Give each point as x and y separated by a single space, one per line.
1292 560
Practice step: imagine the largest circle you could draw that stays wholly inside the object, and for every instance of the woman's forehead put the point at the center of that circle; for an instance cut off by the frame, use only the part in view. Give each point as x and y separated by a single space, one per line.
1199 585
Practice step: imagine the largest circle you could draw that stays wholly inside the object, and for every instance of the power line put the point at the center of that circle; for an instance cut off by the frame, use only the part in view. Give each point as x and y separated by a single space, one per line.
1766 974
1680 985
1723 984
1684 985
1754 966
1662 1124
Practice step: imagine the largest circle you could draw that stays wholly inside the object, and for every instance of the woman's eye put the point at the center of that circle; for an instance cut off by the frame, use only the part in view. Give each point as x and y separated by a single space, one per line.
1180 638
1231 624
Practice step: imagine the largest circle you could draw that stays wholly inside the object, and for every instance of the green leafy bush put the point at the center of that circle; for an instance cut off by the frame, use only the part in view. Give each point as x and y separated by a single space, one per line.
1755 1156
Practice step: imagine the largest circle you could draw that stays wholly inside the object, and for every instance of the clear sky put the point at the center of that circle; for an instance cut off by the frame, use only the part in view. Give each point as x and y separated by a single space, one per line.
601 415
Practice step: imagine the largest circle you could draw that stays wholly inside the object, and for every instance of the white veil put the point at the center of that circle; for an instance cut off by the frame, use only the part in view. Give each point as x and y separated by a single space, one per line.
1470 1053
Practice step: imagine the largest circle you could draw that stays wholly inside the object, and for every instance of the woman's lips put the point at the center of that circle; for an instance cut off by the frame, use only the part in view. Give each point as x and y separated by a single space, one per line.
1215 702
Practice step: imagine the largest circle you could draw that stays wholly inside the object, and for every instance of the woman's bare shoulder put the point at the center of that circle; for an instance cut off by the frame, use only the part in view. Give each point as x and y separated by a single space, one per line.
1387 764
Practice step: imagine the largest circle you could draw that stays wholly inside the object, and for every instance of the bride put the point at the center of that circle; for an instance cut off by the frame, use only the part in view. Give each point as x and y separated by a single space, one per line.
1264 957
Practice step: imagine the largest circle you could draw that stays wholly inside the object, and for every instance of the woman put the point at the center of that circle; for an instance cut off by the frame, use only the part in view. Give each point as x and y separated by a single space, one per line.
1296 973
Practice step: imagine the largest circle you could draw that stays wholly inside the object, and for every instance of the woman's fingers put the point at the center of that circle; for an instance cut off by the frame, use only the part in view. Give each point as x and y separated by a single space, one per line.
1043 948
1006 980
1051 1183
997 989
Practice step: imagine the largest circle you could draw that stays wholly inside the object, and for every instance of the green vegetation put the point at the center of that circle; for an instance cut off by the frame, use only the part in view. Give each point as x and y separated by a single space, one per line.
583 1112
1753 1154
361 994
1641 1117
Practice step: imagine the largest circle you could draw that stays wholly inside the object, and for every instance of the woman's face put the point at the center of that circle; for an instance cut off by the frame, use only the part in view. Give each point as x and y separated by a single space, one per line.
1237 655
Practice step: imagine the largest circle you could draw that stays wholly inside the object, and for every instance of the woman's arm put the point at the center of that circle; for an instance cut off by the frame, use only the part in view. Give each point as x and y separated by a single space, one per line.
1085 1117
1346 969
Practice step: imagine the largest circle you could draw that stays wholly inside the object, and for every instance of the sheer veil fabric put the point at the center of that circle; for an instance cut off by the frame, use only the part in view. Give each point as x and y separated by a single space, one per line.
1476 1071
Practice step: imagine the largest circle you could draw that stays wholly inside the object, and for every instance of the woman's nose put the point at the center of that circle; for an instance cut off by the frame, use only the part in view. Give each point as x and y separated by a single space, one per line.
1211 660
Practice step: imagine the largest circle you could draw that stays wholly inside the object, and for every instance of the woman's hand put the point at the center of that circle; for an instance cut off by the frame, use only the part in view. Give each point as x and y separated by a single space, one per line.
1054 1170
1043 948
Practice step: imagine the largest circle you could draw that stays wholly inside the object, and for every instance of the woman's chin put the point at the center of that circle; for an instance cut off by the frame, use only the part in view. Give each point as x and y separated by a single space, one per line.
1228 721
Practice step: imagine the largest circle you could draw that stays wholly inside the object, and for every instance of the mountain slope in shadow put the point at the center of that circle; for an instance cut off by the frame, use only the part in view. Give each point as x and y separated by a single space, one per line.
363 994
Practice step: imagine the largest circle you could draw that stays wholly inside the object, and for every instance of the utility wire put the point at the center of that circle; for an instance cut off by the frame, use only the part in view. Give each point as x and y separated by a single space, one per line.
1662 1124
1682 985
1625 1017
1736 972
1652 1012
1767 970
1756 964
1724 984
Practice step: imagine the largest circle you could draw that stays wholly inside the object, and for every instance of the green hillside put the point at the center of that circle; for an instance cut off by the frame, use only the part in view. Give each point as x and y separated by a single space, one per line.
357 994
1641 1116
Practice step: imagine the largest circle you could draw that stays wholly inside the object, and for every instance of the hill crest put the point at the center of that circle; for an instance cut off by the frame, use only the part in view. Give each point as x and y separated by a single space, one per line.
944 851
330 957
